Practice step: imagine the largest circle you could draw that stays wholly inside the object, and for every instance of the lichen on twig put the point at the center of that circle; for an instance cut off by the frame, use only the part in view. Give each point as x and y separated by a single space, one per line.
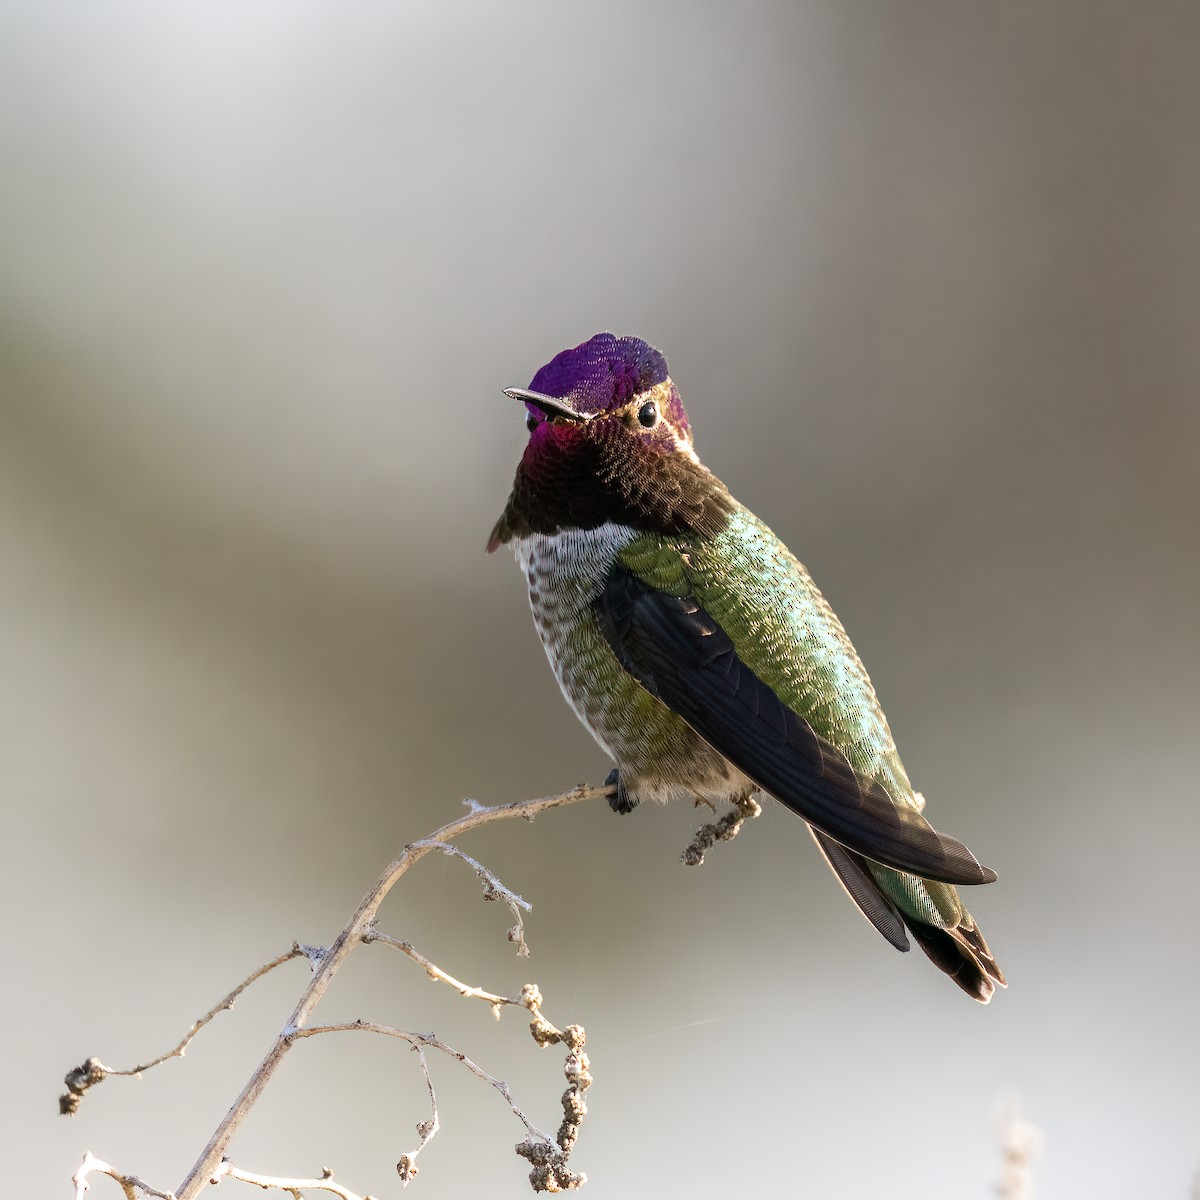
724 830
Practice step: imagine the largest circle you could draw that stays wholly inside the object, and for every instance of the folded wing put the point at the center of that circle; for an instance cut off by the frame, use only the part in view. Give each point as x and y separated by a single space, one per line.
680 654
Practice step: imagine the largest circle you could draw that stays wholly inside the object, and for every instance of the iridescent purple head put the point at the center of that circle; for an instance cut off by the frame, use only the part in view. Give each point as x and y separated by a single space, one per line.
603 377
603 373
608 441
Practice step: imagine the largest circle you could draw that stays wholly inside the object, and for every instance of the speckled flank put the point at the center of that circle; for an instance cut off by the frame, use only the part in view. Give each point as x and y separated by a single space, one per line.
660 757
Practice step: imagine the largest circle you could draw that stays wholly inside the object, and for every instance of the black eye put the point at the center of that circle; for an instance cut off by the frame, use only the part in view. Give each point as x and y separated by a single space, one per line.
648 414
531 422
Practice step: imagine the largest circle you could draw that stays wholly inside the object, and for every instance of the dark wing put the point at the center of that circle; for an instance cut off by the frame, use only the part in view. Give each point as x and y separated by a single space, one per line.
679 653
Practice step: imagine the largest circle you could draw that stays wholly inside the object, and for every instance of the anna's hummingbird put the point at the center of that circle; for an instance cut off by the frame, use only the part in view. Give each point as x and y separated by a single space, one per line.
700 654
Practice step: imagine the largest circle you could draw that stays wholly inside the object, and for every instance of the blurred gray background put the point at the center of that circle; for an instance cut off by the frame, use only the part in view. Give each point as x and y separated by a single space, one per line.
927 274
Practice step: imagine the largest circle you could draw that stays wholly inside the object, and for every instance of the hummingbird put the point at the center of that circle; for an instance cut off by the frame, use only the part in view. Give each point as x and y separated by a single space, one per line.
701 656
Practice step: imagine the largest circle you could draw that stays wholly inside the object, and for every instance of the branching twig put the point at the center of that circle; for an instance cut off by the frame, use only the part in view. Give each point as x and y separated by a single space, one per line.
434 1043
550 1156
130 1184
407 1167
437 974
325 1183
93 1071
493 889
724 830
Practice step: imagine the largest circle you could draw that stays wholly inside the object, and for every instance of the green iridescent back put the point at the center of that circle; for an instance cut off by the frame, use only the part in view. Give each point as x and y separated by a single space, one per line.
784 630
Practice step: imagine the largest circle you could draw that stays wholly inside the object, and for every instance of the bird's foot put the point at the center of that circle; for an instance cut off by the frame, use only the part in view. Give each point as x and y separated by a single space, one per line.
621 801
699 800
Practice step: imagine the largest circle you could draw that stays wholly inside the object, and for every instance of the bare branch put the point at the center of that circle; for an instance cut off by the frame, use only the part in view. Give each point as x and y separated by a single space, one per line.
437 974
130 1184
93 1071
325 1183
724 830
493 889
549 1157
352 935
430 1040
407 1167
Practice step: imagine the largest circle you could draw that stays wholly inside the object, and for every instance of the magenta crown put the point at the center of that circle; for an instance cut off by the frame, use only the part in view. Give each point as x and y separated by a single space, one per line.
604 373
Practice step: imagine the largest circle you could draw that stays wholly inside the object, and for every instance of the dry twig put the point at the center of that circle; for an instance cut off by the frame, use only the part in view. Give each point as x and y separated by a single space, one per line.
130 1184
493 889
437 974
434 1043
548 1155
93 1071
324 1183
724 830
550 1171
407 1167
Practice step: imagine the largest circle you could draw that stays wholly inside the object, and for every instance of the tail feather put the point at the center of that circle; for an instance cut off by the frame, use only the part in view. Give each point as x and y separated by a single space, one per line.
862 889
960 952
